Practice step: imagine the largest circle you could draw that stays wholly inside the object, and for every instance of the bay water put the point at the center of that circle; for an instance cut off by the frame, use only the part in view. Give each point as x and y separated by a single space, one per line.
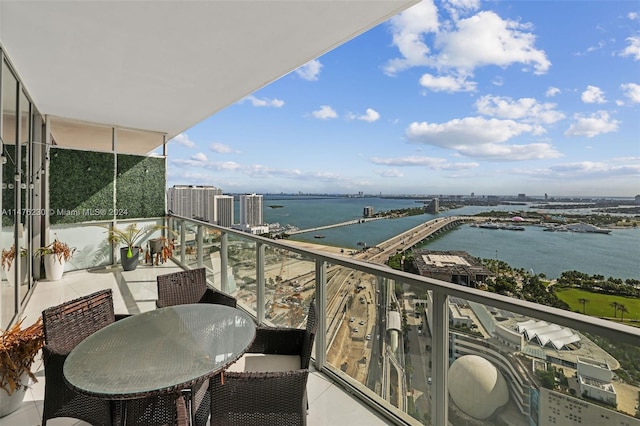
612 255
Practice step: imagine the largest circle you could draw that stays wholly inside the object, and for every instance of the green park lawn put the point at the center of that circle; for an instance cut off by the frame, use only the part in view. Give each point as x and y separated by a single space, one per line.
599 305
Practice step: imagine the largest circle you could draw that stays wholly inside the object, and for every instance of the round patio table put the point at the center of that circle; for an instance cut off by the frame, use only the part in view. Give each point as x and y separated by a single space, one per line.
159 351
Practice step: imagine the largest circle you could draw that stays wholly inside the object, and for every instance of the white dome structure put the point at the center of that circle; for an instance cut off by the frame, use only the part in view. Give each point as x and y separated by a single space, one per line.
477 387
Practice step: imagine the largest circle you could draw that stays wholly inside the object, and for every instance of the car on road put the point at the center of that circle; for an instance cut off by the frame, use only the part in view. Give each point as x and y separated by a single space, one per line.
361 322
429 381
352 319
355 330
368 337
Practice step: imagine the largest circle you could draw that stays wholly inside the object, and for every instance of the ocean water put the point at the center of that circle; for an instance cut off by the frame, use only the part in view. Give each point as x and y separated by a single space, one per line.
613 255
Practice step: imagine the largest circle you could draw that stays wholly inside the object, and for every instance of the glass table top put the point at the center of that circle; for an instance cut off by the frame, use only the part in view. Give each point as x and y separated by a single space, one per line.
159 350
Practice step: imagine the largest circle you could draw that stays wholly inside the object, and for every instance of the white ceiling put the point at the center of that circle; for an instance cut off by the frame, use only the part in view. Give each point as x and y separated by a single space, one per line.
167 65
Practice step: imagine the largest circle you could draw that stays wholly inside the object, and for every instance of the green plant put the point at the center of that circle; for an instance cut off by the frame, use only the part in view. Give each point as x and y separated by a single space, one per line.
59 249
9 254
18 348
132 236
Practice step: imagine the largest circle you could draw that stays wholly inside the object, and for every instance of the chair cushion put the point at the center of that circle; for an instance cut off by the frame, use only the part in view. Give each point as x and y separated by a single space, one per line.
264 363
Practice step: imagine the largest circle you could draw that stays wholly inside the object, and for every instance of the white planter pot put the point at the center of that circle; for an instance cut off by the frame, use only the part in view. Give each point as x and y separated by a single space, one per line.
9 404
54 267
9 273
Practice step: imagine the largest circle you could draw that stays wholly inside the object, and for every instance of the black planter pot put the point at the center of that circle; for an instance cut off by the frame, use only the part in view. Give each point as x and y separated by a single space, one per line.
129 263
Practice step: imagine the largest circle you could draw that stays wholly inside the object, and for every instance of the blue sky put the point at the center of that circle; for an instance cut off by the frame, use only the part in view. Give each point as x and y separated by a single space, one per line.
449 97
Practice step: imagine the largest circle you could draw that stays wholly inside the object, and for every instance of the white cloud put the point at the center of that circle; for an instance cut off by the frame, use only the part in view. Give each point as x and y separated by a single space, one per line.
632 91
370 116
210 165
447 83
633 49
220 148
593 95
390 173
325 112
482 138
525 109
480 40
593 125
199 157
457 7
590 169
428 162
487 39
408 29
310 70
634 16
264 102
183 140
551 92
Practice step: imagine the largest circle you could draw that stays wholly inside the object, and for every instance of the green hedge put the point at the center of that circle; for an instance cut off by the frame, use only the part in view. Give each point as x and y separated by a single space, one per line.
140 186
81 186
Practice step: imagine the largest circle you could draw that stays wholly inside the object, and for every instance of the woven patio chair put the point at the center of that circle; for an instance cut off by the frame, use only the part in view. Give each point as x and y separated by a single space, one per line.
258 399
279 348
159 410
64 327
267 385
184 287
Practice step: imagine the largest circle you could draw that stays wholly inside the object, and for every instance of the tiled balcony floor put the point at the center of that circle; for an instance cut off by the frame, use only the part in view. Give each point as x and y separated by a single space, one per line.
135 292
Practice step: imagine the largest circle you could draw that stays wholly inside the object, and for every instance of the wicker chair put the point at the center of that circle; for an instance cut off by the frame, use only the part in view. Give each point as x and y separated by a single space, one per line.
183 287
64 327
267 385
278 348
257 399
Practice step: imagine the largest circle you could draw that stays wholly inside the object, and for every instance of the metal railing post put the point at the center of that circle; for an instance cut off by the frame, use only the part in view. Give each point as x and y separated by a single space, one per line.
260 283
199 245
321 306
440 359
224 262
183 241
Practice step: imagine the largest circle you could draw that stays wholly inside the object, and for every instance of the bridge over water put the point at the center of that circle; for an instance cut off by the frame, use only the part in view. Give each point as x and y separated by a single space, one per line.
335 225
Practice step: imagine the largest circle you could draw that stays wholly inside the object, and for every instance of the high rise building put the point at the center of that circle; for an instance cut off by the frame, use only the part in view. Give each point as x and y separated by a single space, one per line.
251 210
222 205
193 201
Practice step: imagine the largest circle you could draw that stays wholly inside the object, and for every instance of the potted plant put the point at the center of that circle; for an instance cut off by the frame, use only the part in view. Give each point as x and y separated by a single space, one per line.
131 239
18 348
55 256
8 264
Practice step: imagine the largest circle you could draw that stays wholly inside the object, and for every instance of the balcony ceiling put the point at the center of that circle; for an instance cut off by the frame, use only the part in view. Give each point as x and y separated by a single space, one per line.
165 66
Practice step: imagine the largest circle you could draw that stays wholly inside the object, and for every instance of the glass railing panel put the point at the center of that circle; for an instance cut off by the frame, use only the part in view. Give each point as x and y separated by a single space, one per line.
290 285
89 240
241 271
516 369
359 345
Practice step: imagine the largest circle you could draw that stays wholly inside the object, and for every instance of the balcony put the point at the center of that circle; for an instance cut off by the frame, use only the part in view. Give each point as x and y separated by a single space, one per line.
135 292
368 367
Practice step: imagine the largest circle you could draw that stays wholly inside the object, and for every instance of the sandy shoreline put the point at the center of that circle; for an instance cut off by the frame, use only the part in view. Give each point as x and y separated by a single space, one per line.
319 247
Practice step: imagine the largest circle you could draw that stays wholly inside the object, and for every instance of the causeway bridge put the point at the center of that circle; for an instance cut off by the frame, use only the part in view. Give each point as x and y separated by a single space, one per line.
335 225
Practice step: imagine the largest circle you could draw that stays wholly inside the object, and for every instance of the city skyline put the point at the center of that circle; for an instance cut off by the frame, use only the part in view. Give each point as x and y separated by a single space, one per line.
446 98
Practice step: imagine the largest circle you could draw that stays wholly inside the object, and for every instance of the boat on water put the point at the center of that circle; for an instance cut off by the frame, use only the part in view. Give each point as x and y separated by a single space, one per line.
318 236
579 227
489 225
494 225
